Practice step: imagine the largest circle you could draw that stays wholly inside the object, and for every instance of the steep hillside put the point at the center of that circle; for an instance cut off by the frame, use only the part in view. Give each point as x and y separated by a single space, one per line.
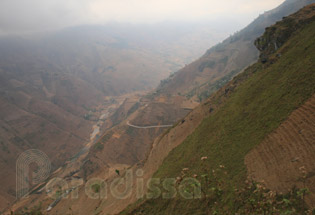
119 148
54 86
262 104
125 147
221 63
278 159
43 112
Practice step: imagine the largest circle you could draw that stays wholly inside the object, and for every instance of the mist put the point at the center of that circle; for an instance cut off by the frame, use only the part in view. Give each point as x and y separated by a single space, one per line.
43 15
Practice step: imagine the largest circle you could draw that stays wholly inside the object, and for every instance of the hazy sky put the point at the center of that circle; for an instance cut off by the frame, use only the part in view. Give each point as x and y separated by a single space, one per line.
33 15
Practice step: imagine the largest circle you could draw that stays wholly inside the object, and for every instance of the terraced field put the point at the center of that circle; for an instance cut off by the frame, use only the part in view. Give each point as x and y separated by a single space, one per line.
278 158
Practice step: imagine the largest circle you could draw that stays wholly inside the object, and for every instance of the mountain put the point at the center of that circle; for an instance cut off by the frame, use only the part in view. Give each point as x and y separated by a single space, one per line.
55 86
222 62
112 55
128 144
253 151
43 110
125 145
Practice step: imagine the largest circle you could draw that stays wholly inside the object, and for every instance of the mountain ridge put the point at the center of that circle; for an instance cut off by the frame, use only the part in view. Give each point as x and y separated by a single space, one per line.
223 61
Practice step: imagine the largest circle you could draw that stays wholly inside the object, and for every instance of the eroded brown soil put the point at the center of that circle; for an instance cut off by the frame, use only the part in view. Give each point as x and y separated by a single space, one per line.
277 160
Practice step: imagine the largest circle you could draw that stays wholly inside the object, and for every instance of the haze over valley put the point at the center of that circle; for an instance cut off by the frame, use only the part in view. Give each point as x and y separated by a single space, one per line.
218 92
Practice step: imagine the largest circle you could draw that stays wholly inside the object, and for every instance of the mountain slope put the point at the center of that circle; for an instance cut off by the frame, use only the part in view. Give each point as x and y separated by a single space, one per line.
264 100
203 77
155 111
54 86
160 107
43 112
119 143
281 155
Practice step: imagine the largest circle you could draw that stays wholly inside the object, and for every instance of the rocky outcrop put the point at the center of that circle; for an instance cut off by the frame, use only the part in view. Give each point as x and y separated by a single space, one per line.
276 35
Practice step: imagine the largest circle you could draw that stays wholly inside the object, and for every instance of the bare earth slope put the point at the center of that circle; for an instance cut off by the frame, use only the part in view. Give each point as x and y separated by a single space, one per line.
52 84
35 113
277 160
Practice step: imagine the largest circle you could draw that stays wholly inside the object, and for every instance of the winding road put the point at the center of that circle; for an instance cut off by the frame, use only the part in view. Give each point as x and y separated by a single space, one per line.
153 126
